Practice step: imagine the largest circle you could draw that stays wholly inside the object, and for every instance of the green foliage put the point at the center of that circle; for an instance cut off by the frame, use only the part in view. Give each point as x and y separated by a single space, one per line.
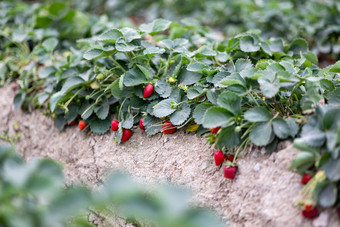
34 194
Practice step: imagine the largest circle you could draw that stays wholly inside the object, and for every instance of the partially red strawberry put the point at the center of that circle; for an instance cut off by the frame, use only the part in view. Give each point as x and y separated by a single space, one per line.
311 213
306 178
230 157
214 130
168 128
148 90
81 125
322 101
141 126
230 172
126 134
219 157
114 125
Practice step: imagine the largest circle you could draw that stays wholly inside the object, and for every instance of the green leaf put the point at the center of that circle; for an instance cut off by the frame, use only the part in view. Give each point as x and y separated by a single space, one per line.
60 122
227 137
216 116
281 128
50 44
88 108
335 68
102 109
72 83
19 99
258 114
163 88
293 127
181 114
188 78
200 111
45 72
152 125
93 54
332 169
146 72
298 45
334 97
156 26
72 112
196 67
269 86
261 134
328 195
127 120
230 101
247 44
130 34
310 56
134 77
100 126
163 108
302 158
110 36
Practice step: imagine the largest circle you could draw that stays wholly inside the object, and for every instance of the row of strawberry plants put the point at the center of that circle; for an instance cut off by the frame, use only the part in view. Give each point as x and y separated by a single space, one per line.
172 75
34 194
316 21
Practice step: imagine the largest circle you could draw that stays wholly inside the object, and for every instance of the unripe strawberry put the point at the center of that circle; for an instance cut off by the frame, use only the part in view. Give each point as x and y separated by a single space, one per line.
230 172
168 128
81 125
172 80
141 126
114 125
219 157
126 134
306 178
214 130
148 90
311 213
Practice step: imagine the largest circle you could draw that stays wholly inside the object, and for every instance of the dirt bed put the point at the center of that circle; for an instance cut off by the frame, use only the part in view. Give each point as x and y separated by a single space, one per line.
264 192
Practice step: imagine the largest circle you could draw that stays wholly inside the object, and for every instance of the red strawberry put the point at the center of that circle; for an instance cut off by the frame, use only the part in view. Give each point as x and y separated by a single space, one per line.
306 178
168 128
230 172
82 125
126 134
141 126
230 157
214 130
72 123
114 125
338 211
311 213
219 157
148 90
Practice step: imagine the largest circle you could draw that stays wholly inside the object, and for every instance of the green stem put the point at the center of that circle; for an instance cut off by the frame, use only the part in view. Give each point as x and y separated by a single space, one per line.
167 64
252 97
75 94
117 64
245 144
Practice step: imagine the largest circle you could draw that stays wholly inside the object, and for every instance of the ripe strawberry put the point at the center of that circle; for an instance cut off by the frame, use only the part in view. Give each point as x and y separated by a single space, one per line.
230 157
306 178
148 90
230 172
338 211
81 125
214 130
72 123
310 214
114 125
126 134
141 126
219 157
168 128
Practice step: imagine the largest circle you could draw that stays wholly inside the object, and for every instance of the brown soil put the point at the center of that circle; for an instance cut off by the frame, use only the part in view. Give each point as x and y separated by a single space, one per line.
264 192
